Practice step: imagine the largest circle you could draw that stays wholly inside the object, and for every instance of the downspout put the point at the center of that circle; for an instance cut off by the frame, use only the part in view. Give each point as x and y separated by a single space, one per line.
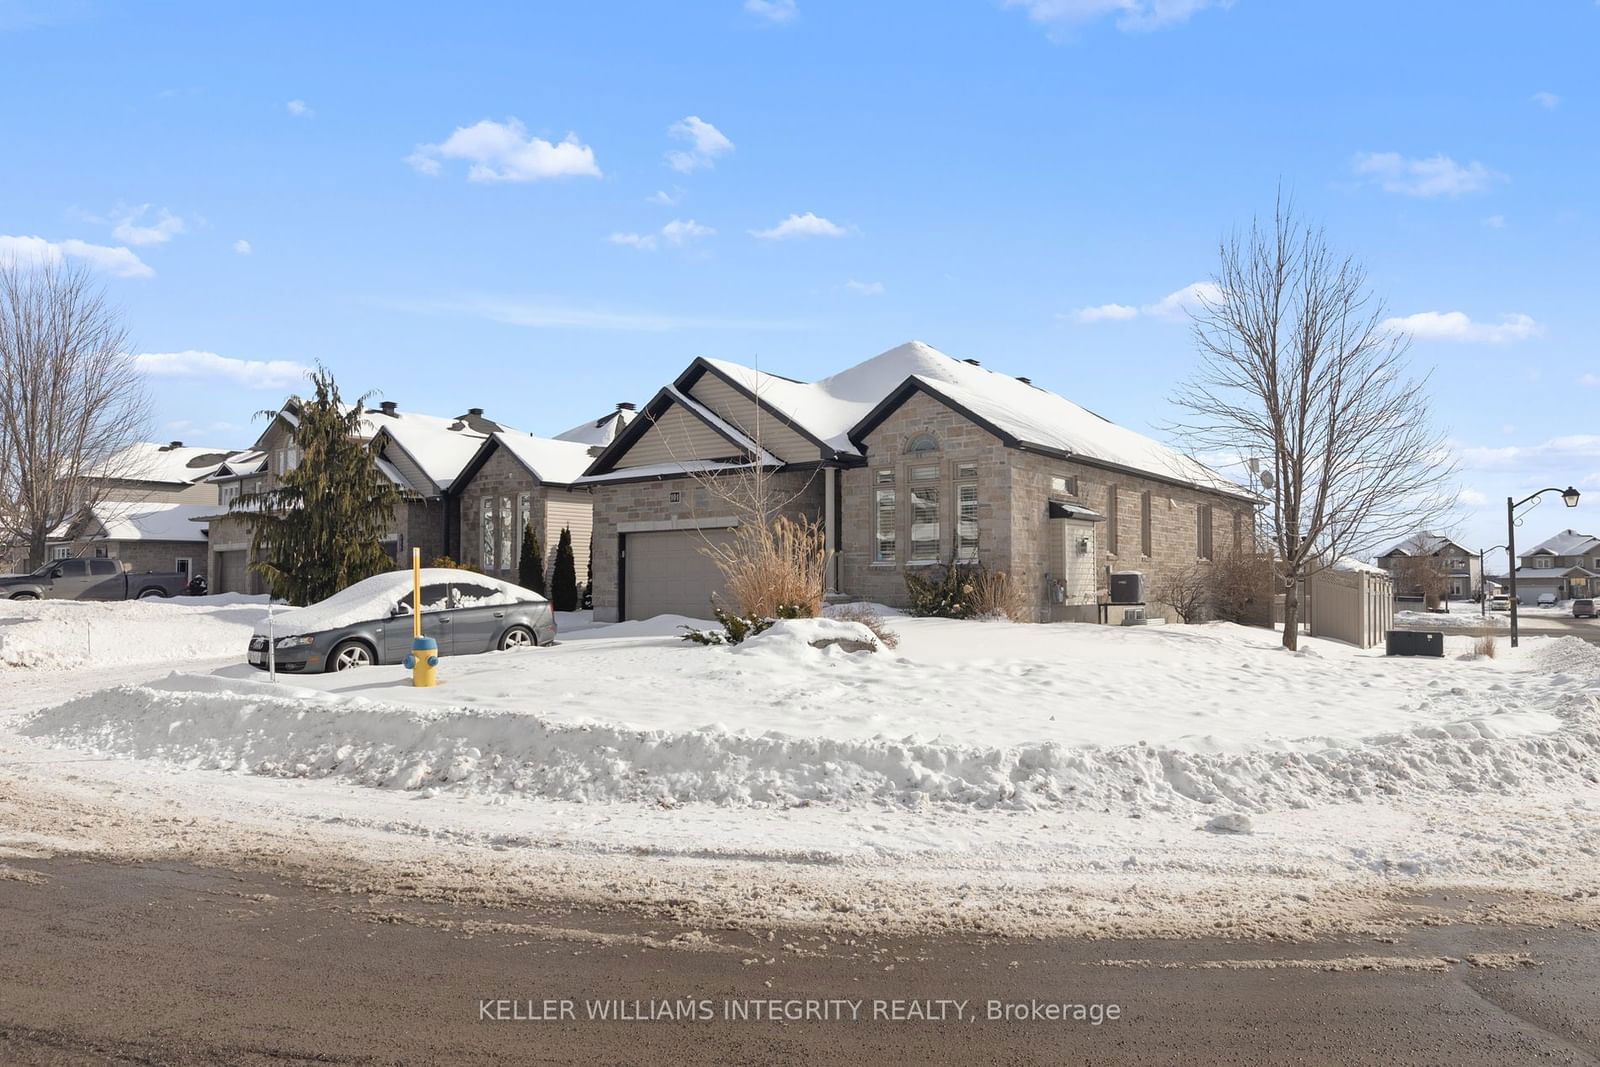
830 518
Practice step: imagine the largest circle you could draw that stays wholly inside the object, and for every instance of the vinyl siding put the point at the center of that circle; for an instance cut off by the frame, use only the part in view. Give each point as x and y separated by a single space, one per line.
677 436
739 411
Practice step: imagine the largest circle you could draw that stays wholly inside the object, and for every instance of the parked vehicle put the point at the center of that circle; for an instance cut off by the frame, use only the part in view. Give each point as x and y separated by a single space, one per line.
1500 602
1584 609
90 579
371 622
1547 600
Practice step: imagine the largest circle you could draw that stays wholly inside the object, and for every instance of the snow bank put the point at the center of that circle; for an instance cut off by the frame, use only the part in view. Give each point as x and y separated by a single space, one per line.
252 726
63 635
794 637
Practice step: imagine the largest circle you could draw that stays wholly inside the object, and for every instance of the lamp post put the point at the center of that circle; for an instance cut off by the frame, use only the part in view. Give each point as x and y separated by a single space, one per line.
1483 580
1569 497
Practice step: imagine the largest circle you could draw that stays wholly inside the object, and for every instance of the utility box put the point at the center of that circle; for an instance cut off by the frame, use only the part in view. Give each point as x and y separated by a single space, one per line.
1414 643
1127 587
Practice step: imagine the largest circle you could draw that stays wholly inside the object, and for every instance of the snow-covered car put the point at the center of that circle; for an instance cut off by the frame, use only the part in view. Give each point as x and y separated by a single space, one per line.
1583 608
1547 600
371 622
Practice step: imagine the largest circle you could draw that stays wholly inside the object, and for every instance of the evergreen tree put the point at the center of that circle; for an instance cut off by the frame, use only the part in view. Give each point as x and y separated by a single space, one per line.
530 565
564 579
322 527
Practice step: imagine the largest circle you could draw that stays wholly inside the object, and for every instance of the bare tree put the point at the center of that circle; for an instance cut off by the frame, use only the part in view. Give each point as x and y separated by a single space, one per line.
71 401
1299 372
1186 590
1425 576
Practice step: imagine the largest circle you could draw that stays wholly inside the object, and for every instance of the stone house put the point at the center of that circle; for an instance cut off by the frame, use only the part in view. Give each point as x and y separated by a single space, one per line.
1566 565
1460 568
909 460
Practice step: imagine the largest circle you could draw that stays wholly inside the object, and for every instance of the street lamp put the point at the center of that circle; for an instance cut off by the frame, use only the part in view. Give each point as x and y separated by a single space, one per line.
1483 580
1569 497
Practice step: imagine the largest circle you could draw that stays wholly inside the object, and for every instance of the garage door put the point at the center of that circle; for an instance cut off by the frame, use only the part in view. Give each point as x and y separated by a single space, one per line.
230 576
668 573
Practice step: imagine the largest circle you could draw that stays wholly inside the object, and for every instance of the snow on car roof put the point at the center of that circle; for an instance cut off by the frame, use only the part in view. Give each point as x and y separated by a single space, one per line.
375 598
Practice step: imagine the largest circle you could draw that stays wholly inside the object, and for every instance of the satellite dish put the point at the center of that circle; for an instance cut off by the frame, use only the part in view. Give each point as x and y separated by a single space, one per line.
1266 479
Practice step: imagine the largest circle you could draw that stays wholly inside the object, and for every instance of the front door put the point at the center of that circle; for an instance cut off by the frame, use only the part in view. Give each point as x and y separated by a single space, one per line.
436 623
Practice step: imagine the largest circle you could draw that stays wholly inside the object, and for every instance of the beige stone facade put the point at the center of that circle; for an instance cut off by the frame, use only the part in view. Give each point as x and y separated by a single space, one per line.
675 503
500 499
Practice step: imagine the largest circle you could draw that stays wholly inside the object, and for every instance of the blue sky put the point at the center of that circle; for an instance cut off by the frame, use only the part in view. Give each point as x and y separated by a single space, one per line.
544 209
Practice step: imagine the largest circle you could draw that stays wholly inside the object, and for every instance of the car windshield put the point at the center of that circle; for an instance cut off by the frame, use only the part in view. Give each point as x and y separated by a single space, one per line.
46 569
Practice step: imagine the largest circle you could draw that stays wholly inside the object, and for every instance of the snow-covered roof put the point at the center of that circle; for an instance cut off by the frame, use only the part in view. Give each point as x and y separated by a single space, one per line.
170 463
1353 565
834 409
1550 573
601 431
375 598
1423 544
551 460
1568 543
151 521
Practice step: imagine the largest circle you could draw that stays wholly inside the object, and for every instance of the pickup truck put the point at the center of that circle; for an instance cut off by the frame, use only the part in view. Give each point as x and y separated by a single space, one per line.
89 579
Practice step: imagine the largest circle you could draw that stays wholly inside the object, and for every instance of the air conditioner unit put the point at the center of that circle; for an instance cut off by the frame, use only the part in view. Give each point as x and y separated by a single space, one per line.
1127 587
1133 617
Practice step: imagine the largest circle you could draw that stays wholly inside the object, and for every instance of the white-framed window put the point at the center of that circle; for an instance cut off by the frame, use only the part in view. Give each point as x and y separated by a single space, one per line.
229 493
1202 531
524 519
1111 519
924 523
923 442
101 552
486 542
60 551
1062 485
924 474
967 520
886 477
884 537
507 558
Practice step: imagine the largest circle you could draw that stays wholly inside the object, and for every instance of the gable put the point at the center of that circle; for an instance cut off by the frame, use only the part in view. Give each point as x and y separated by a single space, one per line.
676 436
740 411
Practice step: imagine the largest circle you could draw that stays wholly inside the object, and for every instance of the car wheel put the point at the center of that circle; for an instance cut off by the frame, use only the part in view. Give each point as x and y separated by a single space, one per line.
26 596
518 637
350 655
146 594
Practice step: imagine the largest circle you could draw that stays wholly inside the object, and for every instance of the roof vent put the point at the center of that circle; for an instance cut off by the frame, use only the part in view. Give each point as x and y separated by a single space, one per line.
474 411
388 408
972 362
175 444
625 406
1024 381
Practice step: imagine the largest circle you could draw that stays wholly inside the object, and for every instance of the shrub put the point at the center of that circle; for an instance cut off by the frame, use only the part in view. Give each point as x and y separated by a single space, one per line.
735 628
859 612
530 564
449 564
1186 590
996 596
564 576
774 570
942 592
1486 646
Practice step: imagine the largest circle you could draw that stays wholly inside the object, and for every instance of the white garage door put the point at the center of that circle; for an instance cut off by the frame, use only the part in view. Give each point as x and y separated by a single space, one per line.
668 573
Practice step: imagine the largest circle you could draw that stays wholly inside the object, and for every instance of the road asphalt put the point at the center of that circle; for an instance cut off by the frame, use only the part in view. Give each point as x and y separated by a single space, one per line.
168 963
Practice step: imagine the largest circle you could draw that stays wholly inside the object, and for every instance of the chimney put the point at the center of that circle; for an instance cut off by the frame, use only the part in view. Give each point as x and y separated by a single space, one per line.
1024 381
973 362
387 407
624 406
475 411
175 444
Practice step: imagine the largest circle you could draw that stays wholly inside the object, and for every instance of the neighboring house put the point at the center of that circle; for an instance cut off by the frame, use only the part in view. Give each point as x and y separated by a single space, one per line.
1460 568
909 460
422 454
516 479
173 472
1567 565
144 537
602 431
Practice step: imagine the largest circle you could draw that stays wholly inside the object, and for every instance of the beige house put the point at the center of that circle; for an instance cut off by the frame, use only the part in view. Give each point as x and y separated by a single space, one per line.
1566 565
1460 568
910 460
516 480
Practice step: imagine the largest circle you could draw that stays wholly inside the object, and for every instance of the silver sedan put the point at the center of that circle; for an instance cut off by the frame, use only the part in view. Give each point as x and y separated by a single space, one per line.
371 622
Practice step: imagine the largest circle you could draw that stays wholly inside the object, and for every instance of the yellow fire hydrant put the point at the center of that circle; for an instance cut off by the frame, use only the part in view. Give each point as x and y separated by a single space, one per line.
423 662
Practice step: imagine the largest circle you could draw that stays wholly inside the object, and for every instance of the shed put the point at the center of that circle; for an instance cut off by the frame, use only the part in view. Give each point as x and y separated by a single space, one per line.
1351 602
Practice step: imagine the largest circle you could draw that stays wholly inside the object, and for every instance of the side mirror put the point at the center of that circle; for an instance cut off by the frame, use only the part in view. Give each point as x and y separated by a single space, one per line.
400 609
55 572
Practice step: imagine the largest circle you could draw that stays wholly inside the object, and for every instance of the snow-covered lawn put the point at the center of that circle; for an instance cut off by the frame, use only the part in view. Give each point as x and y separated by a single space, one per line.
68 634
1025 757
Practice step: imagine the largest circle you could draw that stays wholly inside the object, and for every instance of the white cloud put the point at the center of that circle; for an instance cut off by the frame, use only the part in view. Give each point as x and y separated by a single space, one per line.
807 225
1473 497
706 143
1546 99
250 373
506 152
38 252
1547 457
242 247
299 109
1131 15
772 10
664 198
1434 176
1105 313
131 227
1589 379
865 288
1458 326
538 314
676 232
1495 222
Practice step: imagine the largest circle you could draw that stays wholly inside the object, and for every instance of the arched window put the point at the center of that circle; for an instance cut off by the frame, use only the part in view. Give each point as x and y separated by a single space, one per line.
923 442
